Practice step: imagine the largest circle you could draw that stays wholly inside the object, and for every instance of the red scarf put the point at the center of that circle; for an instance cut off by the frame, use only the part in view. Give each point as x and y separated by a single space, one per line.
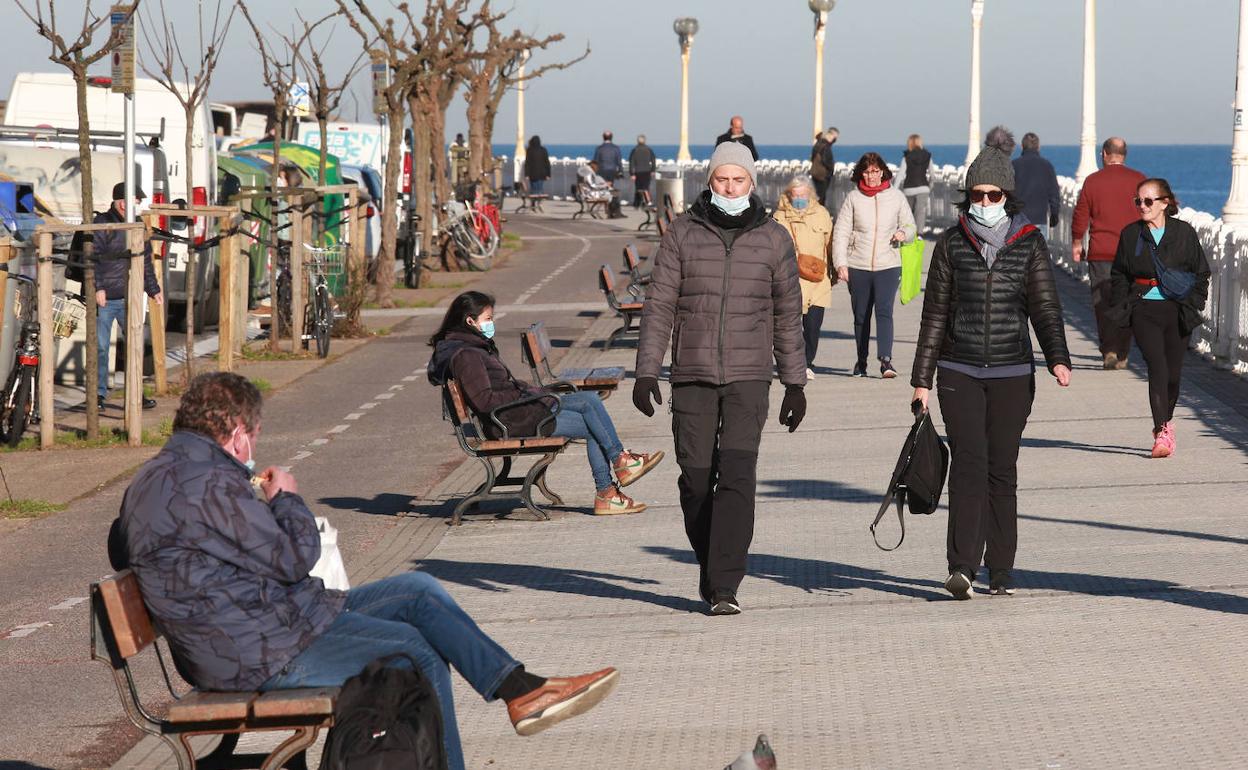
871 191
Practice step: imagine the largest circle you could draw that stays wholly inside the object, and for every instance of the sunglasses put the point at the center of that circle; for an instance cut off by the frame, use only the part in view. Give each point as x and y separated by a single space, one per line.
1148 202
993 196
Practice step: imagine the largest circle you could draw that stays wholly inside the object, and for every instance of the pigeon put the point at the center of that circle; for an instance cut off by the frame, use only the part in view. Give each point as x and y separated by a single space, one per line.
761 758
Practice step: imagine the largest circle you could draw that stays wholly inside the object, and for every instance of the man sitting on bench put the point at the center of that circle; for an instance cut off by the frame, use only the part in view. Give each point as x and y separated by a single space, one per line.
222 557
595 189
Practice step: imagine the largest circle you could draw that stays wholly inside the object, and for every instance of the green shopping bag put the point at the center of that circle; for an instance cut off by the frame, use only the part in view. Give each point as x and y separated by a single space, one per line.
911 269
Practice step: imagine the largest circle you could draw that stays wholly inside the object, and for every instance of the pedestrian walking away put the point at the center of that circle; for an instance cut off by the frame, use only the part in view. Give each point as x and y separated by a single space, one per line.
607 156
1035 184
1103 209
641 164
1161 318
873 223
724 294
916 180
823 163
464 350
810 224
223 554
736 133
537 166
989 277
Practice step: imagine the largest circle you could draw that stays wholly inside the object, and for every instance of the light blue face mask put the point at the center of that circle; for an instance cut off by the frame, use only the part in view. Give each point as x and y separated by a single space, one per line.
988 216
800 203
730 206
251 461
487 329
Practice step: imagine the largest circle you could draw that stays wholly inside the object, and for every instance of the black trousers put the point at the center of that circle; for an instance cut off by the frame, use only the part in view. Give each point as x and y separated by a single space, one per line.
984 420
1114 338
812 324
1156 327
717 429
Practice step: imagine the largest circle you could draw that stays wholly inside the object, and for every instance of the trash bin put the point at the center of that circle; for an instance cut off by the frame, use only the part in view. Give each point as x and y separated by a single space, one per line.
672 185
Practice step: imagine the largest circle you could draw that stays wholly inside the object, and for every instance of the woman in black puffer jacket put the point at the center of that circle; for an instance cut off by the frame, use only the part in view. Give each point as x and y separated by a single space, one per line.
988 278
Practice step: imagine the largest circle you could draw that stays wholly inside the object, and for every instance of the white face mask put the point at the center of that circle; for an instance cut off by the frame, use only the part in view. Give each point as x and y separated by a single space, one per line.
988 216
730 206
250 462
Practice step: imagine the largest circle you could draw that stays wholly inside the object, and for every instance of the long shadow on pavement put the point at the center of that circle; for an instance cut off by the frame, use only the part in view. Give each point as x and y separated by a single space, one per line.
817 489
1137 588
1109 449
383 504
1133 528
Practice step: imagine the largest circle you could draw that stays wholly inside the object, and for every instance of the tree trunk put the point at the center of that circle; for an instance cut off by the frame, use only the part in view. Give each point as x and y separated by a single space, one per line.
88 271
322 123
192 256
436 112
383 282
422 186
477 149
275 205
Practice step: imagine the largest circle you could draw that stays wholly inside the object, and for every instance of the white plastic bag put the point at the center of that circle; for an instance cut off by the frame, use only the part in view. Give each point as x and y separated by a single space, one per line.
329 567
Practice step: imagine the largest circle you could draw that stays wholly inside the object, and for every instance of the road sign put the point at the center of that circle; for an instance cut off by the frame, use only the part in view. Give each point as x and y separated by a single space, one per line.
122 16
300 100
381 81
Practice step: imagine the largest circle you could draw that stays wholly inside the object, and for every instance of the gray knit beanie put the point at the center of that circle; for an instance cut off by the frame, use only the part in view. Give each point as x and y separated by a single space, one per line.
991 166
732 154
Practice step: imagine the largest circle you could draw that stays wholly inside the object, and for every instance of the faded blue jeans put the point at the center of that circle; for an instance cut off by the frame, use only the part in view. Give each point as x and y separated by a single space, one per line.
583 415
114 311
409 613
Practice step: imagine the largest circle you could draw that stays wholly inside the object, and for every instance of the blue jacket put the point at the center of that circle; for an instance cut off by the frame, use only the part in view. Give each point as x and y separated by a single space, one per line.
112 273
224 574
609 159
1035 184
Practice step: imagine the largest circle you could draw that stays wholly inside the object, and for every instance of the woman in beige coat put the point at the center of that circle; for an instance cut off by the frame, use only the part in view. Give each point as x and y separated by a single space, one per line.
873 222
810 225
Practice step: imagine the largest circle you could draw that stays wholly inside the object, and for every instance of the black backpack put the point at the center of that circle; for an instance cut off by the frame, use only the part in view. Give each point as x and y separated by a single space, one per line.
919 476
385 719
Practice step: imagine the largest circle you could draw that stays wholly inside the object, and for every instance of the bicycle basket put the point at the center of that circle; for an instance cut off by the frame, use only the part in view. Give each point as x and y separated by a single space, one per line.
66 315
329 258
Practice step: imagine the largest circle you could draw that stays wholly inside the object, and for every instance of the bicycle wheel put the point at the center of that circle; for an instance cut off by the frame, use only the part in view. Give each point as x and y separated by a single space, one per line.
322 319
281 309
472 251
411 263
17 407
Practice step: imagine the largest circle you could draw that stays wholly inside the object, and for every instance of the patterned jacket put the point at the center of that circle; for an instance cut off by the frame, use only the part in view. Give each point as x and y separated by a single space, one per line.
224 574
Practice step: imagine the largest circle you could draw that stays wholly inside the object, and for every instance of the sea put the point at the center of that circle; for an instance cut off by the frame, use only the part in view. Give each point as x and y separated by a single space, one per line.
1199 174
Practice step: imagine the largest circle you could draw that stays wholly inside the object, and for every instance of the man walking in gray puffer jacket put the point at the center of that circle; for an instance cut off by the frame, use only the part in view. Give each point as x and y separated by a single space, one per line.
725 293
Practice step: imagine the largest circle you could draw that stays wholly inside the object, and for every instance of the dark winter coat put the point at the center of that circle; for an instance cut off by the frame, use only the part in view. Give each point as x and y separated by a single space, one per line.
224 574
728 301
112 272
609 159
641 160
1180 249
978 316
745 139
537 163
1035 184
822 161
487 384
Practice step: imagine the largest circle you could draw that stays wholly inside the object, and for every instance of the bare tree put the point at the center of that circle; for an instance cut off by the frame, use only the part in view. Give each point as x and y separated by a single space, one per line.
188 82
76 56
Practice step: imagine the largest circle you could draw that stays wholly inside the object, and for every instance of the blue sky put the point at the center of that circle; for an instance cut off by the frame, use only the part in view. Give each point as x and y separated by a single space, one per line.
1166 69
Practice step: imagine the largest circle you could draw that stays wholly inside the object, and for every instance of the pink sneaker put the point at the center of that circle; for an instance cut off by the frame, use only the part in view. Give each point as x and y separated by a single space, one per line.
1163 444
1174 444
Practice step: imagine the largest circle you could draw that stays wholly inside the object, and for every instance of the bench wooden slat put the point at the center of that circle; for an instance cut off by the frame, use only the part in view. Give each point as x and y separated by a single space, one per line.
631 306
303 702
127 615
211 707
539 445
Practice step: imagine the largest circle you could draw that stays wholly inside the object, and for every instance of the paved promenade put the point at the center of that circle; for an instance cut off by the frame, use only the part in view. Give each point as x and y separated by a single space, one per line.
1123 646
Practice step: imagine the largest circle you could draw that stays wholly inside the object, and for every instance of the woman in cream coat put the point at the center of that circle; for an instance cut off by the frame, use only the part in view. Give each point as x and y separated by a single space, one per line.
810 225
873 222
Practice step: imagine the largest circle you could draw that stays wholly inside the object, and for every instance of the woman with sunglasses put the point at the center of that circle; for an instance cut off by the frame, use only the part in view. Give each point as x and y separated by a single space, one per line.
873 222
1160 321
989 277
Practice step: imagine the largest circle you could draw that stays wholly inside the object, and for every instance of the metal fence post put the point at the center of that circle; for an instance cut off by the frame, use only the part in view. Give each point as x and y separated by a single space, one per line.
134 337
43 289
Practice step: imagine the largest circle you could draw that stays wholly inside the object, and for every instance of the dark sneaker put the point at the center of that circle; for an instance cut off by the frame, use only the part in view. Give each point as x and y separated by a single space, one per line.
959 585
149 403
724 602
860 369
886 369
1111 361
1001 583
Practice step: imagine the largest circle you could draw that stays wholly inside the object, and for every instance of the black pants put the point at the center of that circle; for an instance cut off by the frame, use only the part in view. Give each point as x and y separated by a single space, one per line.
984 420
821 192
717 430
1114 338
874 292
1156 327
812 324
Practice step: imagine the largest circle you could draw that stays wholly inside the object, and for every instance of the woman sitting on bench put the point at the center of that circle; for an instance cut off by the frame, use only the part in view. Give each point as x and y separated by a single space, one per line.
464 351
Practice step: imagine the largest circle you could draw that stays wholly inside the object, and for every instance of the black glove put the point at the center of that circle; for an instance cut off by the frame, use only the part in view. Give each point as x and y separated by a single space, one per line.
645 389
793 407
1053 220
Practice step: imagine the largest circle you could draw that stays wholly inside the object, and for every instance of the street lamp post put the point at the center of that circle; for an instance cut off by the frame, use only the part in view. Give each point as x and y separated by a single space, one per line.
518 166
1087 135
1236 209
685 29
820 8
977 23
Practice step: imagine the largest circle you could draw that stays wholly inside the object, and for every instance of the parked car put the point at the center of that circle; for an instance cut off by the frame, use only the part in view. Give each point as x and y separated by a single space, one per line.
369 181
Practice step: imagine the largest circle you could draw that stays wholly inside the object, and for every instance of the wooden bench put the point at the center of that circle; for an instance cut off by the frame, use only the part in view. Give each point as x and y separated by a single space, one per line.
628 312
121 629
638 277
471 437
652 214
588 207
530 200
535 350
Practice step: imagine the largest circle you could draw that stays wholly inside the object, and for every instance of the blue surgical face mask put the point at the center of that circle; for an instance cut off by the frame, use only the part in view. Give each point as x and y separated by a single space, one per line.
988 216
487 329
730 206
800 203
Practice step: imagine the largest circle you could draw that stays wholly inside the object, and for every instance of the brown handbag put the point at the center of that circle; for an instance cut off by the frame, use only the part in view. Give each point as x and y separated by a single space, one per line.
809 267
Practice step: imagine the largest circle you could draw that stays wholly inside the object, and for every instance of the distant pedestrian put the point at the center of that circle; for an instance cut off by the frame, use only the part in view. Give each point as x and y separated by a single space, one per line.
1035 184
916 179
872 224
1162 323
989 277
810 224
641 164
736 133
537 166
1103 209
608 157
724 294
459 157
823 163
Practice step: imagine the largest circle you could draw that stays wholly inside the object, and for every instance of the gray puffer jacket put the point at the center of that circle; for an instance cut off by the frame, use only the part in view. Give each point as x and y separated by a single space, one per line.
728 301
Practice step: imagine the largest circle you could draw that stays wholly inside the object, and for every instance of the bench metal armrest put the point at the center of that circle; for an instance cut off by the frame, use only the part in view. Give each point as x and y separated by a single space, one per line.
519 402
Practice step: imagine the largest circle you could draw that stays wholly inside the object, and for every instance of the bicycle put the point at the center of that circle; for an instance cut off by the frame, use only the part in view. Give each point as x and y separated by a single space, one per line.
471 233
19 408
318 314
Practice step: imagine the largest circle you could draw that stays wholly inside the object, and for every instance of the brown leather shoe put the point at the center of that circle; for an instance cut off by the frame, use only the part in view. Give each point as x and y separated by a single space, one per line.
560 699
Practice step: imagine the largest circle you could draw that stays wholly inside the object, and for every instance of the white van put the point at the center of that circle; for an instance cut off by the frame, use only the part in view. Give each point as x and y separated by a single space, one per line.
50 98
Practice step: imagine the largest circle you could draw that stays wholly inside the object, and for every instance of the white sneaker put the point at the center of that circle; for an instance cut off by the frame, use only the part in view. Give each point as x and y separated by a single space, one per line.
810 374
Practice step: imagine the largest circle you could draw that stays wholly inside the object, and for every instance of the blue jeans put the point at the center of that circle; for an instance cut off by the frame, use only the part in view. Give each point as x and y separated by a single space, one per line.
409 613
874 291
113 310
582 415
537 186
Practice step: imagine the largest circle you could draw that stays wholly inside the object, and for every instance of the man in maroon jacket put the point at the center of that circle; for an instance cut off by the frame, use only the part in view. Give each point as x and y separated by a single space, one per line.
1105 207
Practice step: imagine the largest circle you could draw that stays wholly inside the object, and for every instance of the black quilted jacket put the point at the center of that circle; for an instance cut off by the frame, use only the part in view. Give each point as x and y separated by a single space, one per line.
977 316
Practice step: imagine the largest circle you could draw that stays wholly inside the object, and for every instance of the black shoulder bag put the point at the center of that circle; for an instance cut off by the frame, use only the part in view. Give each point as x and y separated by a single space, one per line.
1174 284
919 476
